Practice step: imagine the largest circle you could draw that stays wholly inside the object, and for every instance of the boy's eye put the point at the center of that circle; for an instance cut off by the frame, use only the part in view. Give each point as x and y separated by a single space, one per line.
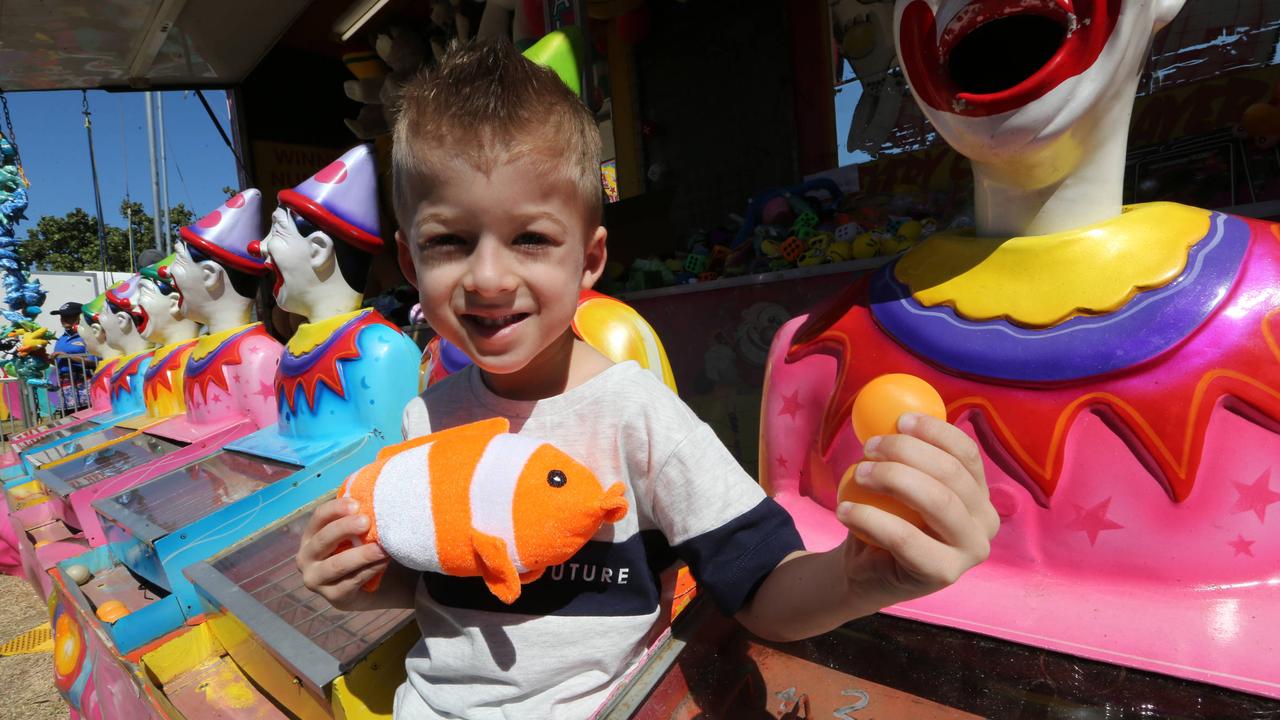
532 238
445 240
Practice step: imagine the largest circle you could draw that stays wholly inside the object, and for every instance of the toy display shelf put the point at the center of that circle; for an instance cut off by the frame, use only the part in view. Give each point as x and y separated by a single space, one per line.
849 266
882 666
342 659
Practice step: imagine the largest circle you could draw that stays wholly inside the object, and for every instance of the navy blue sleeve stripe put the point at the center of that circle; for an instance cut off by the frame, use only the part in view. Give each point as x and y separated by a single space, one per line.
732 561
604 579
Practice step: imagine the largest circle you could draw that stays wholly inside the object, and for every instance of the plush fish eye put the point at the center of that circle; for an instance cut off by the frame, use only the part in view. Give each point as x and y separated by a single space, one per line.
556 479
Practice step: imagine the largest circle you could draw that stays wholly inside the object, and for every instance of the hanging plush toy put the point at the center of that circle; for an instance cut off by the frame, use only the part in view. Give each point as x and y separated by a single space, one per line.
478 501
864 33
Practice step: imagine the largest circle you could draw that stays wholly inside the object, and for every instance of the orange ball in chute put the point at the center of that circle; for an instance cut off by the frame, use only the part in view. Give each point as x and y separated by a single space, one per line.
876 411
884 399
111 611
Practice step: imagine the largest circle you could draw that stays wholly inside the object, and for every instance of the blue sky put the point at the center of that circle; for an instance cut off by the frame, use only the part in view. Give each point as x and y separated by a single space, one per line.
847 97
55 152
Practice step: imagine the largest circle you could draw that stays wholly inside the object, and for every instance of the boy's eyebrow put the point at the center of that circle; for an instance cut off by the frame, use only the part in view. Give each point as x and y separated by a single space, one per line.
543 215
442 218
432 217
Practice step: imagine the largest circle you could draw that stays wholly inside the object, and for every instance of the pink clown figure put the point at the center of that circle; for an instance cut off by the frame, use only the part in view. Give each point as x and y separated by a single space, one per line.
1118 366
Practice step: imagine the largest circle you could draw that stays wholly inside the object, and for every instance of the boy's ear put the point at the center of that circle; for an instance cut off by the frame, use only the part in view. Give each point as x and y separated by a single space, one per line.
597 254
406 260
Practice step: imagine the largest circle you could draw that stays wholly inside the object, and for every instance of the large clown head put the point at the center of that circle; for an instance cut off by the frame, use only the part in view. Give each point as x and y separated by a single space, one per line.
159 306
1037 93
120 318
323 236
91 330
214 267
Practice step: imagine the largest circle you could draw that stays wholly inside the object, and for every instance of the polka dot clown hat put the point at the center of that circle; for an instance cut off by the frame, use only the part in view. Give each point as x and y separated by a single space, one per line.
342 199
230 234
124 293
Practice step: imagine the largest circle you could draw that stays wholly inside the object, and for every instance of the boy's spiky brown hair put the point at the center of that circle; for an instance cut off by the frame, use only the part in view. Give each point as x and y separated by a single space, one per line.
482 103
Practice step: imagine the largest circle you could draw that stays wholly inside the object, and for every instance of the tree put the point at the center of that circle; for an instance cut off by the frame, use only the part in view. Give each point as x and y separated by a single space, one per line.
229 191
70 243
143 230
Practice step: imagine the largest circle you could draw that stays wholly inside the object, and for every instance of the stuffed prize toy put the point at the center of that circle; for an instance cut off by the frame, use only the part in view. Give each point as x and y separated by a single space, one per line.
478 501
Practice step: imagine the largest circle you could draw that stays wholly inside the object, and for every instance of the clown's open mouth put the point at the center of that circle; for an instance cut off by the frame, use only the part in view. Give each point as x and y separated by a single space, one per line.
993 56
141 319
1003 53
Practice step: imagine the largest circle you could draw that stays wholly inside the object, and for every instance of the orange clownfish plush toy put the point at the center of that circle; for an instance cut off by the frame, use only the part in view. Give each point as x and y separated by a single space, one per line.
478 501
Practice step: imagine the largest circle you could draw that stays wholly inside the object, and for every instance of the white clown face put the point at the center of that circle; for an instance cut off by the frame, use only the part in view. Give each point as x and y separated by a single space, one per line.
1001 79
188 276
157 310
288 256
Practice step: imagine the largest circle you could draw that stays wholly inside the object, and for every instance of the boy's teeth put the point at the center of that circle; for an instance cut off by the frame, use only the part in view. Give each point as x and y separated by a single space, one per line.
496 321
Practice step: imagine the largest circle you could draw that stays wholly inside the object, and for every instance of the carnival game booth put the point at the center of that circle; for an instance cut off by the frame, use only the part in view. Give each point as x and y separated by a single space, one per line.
225 379
679 166
338 389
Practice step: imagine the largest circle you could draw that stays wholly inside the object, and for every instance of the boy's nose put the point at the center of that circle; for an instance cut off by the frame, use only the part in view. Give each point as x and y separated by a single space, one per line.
491 271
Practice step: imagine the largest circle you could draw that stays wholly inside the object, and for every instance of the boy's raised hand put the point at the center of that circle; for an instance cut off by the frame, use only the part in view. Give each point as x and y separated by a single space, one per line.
338 577
936 469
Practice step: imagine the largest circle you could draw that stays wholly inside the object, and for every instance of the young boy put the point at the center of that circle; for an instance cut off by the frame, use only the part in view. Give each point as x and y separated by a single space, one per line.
498 196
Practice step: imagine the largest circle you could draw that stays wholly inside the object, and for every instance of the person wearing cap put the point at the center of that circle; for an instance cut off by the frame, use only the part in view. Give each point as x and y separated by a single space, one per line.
218 279
72 375
69 343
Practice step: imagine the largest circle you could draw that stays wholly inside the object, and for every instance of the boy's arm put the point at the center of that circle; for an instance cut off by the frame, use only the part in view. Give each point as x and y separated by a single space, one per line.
930 466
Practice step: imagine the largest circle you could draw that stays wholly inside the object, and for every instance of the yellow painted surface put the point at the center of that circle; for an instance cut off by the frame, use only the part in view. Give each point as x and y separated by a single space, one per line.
226 688
181 654
206 344
308 336
26 495
265 670
1043 280
167 402
368 690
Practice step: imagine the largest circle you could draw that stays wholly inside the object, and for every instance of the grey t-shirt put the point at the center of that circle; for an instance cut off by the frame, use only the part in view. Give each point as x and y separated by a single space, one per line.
560 649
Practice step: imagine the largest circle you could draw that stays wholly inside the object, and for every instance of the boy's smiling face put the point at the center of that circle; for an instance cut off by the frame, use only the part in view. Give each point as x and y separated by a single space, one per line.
500 258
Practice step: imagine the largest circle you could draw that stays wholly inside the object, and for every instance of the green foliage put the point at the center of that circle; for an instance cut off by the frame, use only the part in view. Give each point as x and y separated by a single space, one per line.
70 243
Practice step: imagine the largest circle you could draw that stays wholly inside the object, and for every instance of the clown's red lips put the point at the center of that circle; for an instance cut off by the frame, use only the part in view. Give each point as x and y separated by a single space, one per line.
994 56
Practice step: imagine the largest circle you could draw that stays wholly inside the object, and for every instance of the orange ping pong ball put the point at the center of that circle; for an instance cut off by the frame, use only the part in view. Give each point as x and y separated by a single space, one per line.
111 611
876 411
884 399
851 491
